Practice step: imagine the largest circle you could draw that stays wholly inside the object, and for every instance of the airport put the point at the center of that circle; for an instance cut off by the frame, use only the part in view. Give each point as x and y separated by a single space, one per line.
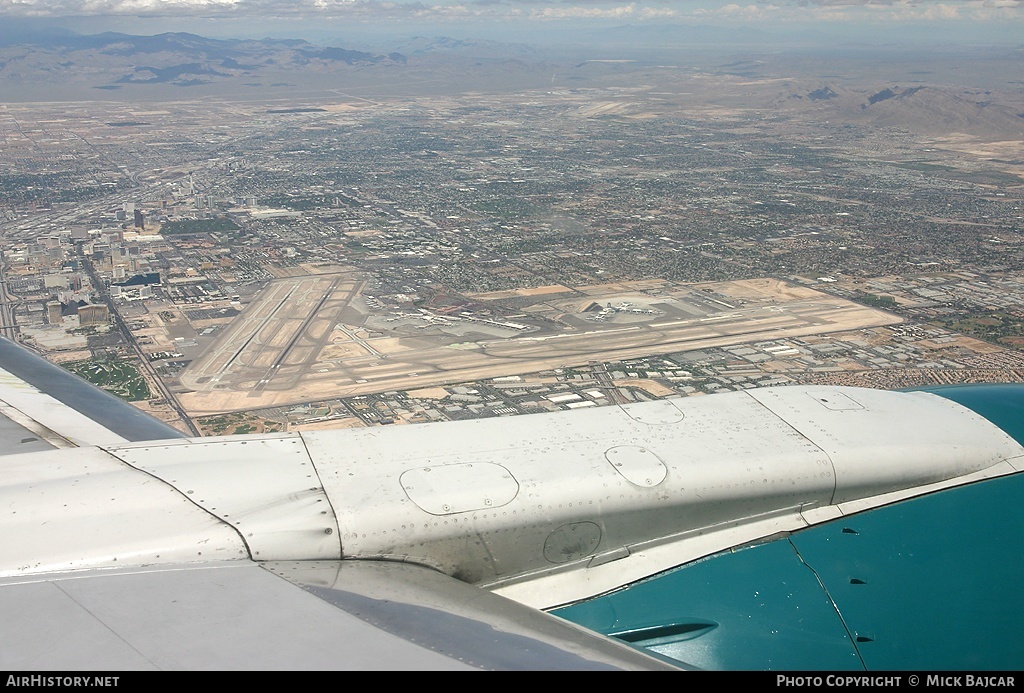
314 338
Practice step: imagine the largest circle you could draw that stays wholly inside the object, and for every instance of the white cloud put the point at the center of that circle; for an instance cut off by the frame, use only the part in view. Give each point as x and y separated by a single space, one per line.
735 11
630 11
57 8
608 10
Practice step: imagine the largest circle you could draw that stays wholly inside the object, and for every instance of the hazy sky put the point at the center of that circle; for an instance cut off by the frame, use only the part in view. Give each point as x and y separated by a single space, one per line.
971 21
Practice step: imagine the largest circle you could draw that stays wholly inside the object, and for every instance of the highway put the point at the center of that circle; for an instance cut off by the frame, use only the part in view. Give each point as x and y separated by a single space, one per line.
8 324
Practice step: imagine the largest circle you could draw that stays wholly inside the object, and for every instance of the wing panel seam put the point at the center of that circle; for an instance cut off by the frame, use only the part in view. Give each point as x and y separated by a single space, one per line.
103 623
323 489
177 490
831 463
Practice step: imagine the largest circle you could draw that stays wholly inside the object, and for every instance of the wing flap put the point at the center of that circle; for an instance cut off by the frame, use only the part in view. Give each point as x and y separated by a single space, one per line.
326 616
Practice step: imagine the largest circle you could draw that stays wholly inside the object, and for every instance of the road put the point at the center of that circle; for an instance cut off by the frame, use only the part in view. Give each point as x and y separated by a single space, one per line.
129 338
8 324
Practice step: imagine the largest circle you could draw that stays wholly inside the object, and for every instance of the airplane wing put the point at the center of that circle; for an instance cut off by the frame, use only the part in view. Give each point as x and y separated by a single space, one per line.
46 406
706 531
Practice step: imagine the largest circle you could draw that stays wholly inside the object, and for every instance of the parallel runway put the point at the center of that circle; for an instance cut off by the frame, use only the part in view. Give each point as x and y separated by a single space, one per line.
277 339
290 345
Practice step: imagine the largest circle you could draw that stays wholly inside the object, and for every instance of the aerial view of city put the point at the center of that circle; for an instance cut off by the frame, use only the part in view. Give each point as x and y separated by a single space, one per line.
302 256
512 334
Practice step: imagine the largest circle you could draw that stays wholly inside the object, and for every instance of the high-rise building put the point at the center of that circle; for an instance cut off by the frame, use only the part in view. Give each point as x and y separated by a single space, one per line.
96 314
53 312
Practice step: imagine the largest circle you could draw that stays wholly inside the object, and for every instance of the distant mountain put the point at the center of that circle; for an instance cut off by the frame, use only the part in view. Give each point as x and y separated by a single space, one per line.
822 94
931 110
111 60
446 46
921 109
887 94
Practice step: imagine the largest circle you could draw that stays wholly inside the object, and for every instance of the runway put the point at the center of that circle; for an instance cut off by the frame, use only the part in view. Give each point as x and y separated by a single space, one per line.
290 345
